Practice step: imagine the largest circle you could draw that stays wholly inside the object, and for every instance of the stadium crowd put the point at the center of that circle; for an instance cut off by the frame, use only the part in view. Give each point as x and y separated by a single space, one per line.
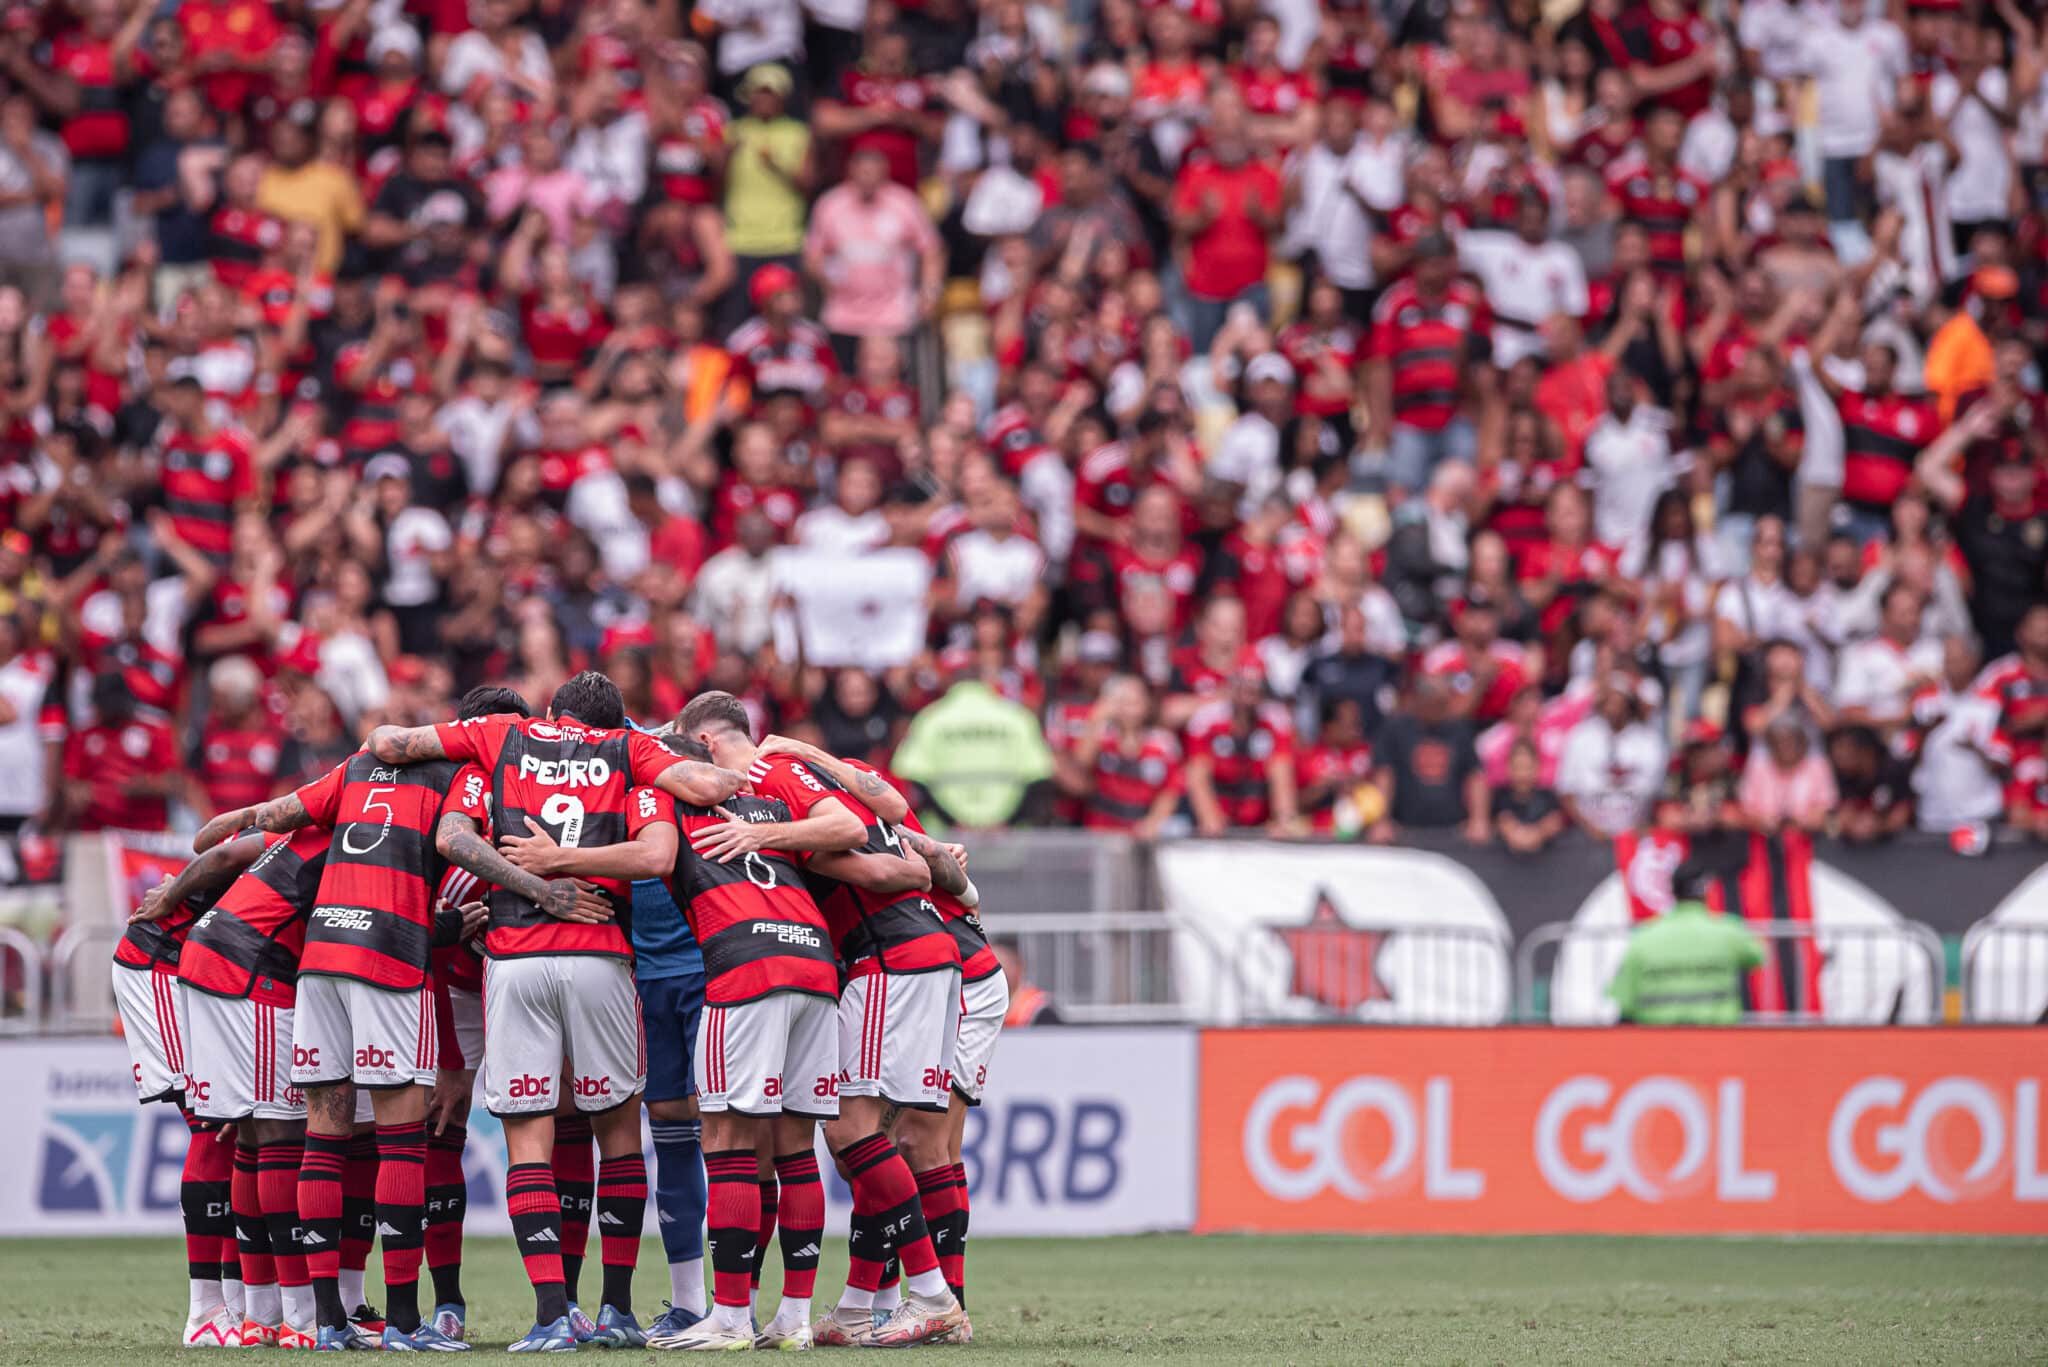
1337 419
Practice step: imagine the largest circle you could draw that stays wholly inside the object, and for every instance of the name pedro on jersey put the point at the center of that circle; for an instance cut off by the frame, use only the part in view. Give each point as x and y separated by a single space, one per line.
566 773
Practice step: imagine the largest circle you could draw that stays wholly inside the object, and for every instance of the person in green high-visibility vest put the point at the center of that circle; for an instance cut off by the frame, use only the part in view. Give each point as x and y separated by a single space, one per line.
1686 967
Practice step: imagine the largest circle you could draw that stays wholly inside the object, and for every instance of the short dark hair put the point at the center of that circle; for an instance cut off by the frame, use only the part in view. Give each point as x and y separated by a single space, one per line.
491 700
592 699
687 746
715 708
1691 881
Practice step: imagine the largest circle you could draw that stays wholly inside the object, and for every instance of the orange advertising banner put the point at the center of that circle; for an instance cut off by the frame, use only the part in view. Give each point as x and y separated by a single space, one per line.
1624 1131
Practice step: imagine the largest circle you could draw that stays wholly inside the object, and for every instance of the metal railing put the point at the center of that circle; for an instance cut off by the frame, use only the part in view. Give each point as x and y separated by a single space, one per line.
2005 973
82 1005
1863 974
19 944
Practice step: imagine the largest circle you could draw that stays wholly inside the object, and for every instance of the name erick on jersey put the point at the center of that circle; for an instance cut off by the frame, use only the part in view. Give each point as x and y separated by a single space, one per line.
759 930
896 932
249 943
963 923
374 918
578 783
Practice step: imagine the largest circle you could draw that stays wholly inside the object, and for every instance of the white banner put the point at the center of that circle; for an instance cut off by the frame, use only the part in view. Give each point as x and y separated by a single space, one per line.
1084 1132
1365 933
865 610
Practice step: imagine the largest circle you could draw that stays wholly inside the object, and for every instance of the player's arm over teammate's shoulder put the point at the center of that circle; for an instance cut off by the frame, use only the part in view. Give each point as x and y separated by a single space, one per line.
876 793
315 804
412 744
461 842
883 873
213 870
649 850
946 873
686 778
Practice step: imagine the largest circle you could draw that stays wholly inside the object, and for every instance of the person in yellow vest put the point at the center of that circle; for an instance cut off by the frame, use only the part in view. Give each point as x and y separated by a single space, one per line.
1030 1004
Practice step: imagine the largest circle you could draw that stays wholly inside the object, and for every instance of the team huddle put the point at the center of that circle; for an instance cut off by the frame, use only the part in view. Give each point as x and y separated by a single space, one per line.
753 941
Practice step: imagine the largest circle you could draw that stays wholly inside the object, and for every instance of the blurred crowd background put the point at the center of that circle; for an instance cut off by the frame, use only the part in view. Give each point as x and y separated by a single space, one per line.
1333 419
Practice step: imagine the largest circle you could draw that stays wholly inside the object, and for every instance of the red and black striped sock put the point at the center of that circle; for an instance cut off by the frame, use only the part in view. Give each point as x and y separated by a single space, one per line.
771 1200
277 1195
803 1221
320 1217
402 1218
252 1235
883 1187
575 1169
956 1276
359 1202
537 1228
621 1212
941 1198
447 1204
735 1222
205 1198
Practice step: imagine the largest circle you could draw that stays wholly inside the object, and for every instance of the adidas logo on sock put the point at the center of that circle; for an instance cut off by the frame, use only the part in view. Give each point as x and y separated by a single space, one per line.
386 1231
310 1238
807 1251
665 1217
607 1218
542 1236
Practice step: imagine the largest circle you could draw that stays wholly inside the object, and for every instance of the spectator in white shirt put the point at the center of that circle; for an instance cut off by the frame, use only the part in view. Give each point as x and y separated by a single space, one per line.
997 562
1327 210
1974 101
1528 278
735 590
853 522
24 678
1249 454
1960 776
1613 761
1875 681
1856 60
1629 461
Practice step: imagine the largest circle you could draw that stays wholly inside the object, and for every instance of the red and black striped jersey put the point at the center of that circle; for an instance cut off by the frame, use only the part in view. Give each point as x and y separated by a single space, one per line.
755 922
1239 749
203 478
1882 436
1427 345
157 944
963 923
578 783
249 943
374 917
1664 202
462 965
1126 784
876 932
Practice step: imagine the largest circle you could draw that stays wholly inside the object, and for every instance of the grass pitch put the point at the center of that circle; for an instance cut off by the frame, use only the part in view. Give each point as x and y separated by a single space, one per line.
89 1303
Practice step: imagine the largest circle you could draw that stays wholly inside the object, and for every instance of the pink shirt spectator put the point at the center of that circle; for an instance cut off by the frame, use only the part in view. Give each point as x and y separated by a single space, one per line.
869 253
1803 794
561 196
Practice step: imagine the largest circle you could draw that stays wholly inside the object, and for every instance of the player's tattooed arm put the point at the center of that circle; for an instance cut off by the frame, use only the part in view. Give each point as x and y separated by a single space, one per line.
406 744
210 872
650 854
947 875
565 899
698 783
278 816
874 791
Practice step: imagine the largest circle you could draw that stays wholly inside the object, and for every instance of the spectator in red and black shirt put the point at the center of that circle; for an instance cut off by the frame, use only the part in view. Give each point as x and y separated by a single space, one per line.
236 763
1655 191
95 64
1240 770
1127 773
208 472
1429 335
120 772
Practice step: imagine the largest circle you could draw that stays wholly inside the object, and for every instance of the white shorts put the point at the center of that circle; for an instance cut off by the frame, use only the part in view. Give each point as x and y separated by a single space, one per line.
895 1031
467 1009
542 1009
983 1004
149 1000
241 1059
348 1031
774 1055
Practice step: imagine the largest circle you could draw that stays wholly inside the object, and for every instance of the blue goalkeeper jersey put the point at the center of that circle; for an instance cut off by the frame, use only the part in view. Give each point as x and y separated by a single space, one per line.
663 945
